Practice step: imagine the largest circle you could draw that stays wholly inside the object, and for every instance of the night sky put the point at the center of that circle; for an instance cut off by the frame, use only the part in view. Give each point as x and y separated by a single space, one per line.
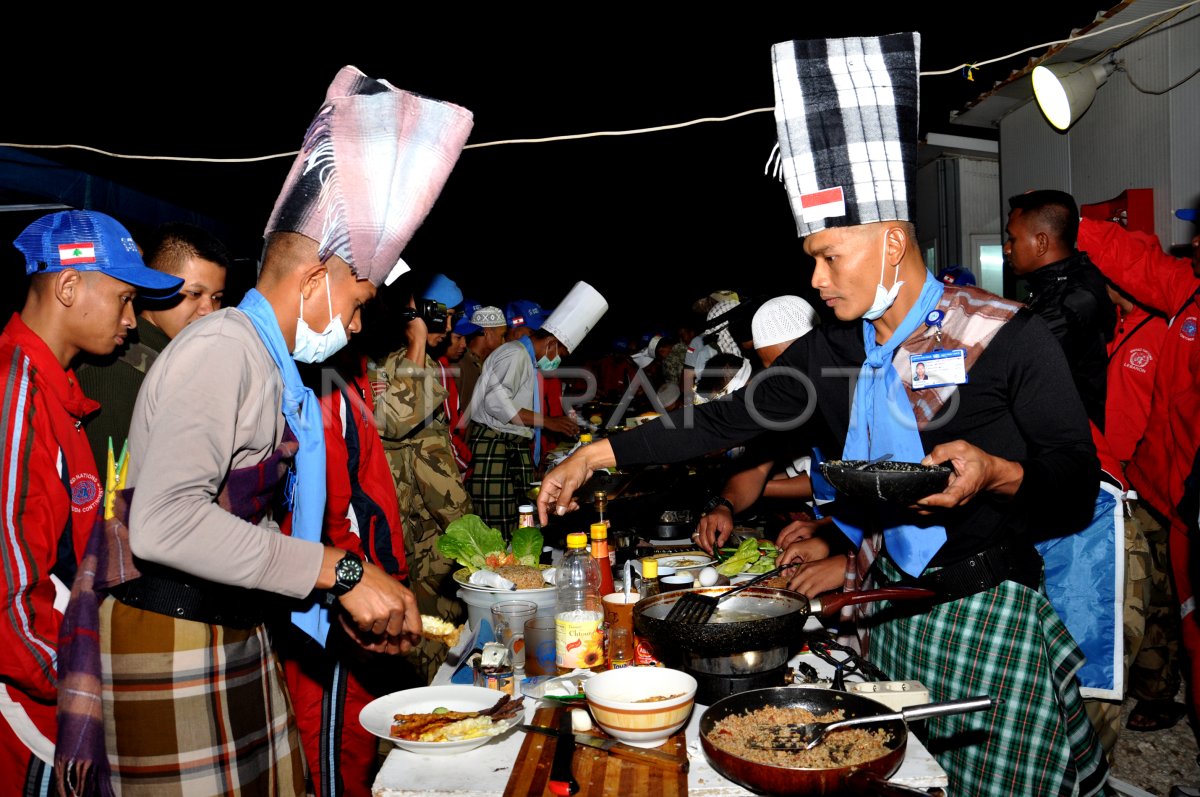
653 221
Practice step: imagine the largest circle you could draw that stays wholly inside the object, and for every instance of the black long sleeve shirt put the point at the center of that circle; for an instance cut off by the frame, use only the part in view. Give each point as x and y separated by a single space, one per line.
1019 404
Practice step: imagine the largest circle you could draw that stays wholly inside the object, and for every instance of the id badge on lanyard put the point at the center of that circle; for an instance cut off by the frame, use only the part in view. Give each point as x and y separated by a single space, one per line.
939 367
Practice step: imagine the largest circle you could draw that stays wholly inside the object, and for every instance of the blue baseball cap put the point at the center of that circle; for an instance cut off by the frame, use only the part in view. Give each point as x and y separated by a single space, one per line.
443 289
524 313
956 275
463 325
89 241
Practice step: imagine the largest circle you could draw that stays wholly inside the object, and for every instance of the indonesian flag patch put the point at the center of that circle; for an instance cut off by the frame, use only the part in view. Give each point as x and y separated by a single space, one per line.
823 204
74 254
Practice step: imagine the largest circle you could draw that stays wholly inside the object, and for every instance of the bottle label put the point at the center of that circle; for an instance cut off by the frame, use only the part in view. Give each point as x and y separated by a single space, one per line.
578 640
643 654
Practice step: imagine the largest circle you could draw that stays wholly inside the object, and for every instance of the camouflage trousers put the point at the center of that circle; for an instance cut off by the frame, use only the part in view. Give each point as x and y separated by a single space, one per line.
431 495
1105 715
1155 672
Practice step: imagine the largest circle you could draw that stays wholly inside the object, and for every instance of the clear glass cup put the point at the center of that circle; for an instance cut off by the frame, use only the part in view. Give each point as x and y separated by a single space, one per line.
508 621
539 646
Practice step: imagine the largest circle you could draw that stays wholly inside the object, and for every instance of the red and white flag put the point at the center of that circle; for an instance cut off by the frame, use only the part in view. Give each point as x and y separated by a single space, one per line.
74 254
823 204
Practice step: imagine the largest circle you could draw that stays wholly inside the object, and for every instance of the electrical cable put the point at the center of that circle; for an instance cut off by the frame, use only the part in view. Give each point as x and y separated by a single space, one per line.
638 131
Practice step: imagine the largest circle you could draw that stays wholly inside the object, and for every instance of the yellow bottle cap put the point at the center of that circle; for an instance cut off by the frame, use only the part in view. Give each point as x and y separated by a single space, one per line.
649 568
599 531
585 438
576 539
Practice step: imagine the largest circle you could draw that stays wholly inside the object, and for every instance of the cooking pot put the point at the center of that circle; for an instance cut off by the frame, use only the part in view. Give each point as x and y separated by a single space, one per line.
757 618
777 780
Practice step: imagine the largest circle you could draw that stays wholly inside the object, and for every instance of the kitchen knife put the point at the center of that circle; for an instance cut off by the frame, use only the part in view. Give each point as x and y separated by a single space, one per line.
562 780
620 749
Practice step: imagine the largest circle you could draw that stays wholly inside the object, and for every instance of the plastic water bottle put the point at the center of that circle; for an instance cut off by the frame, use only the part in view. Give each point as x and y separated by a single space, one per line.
579 613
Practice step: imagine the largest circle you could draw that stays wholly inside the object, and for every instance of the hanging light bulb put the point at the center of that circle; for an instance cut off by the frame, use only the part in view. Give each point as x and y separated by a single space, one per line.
1064 91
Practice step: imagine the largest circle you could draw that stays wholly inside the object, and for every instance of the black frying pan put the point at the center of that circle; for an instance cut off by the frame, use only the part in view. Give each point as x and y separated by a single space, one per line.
773 618
776 780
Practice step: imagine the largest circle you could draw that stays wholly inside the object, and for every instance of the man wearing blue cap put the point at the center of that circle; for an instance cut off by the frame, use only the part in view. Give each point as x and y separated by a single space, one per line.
412 419
85 271
524 318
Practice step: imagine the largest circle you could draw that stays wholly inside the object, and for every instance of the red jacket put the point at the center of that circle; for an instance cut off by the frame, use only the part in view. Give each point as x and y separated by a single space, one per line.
50 493
1133 359
458 429
1136 263
361 511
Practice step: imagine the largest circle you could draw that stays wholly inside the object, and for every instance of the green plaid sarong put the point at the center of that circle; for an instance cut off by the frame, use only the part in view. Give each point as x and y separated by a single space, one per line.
503 470
1008 643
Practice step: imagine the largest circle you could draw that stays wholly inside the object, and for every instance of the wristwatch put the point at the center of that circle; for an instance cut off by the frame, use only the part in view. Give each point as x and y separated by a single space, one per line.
716 501
347 573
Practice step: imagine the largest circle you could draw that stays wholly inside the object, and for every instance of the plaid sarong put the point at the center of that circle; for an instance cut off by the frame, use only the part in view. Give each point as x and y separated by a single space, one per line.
1008 643
503 470
192 708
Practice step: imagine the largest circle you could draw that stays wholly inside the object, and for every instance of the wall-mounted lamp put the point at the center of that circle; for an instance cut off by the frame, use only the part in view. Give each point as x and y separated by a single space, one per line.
1064 91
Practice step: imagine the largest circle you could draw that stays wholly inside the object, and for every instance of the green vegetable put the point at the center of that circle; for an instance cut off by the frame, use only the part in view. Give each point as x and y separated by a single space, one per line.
440 710
746 554
527 545
469 540
764 563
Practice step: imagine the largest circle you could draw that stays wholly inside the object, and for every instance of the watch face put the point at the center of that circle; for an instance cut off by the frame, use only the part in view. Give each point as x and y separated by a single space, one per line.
348 571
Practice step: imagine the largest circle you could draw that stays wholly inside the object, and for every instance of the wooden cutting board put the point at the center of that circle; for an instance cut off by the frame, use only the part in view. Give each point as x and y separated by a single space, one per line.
598 773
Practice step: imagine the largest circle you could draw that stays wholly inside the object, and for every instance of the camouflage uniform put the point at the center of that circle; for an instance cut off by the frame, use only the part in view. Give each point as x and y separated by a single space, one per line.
416 439
1105 715
1155 672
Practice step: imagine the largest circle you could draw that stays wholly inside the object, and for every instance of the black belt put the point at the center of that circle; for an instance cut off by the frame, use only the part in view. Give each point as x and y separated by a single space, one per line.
1019 562
197 600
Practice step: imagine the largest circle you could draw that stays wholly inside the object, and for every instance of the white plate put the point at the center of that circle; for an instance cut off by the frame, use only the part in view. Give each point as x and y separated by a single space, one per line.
462 574
686 561
378 715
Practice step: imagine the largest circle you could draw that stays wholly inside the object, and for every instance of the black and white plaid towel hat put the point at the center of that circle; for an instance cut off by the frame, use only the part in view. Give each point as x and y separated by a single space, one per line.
846 112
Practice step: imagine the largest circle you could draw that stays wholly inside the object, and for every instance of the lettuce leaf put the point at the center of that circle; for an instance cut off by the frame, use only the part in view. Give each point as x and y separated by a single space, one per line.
765 562
746 554
469 540
527 545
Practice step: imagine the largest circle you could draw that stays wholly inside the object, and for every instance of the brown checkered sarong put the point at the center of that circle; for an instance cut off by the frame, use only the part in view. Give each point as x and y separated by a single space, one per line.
195 709
503 470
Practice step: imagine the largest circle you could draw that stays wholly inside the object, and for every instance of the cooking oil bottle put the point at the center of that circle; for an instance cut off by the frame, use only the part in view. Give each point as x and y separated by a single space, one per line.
579 613
643 652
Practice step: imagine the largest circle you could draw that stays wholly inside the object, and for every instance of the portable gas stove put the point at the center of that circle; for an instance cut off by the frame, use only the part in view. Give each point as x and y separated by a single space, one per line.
721 676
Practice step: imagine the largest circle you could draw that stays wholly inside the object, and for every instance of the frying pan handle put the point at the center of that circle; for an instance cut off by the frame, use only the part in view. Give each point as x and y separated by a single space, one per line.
963 706
830 604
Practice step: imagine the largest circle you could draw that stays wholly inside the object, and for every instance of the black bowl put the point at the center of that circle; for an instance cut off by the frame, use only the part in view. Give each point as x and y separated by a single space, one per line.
886 482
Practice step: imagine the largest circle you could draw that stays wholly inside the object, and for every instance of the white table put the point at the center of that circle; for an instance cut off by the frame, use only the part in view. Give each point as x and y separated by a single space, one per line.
484 771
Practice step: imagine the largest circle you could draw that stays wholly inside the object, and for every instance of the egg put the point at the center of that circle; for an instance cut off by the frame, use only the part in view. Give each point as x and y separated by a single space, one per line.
708 576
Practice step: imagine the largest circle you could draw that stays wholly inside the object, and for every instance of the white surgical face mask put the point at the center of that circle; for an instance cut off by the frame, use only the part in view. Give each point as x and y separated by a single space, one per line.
550 365
314 348
883 298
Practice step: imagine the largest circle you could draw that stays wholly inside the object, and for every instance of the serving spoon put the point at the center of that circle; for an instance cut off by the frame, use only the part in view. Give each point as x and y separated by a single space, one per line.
807 735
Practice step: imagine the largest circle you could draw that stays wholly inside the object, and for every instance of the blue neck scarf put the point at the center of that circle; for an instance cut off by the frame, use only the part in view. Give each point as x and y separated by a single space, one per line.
537 402
302 412
882 422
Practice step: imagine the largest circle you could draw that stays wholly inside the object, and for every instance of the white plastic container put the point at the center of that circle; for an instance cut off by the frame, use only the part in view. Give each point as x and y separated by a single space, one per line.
479 603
